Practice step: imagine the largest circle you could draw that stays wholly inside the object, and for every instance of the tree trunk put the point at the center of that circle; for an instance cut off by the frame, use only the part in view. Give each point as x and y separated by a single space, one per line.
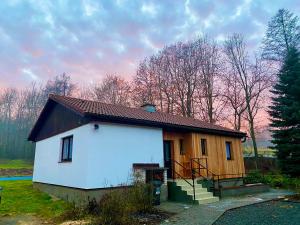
253 137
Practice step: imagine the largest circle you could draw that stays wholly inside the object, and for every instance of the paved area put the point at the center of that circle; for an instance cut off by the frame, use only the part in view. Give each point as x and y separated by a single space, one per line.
267 213
209 213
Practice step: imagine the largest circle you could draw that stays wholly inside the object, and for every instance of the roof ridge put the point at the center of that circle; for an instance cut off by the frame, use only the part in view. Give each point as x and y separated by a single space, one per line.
85 110
94 101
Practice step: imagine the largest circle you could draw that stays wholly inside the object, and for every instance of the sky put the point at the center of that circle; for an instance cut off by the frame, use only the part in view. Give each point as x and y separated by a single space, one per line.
88 39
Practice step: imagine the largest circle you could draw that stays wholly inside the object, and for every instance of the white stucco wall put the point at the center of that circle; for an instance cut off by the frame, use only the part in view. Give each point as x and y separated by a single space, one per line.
101 158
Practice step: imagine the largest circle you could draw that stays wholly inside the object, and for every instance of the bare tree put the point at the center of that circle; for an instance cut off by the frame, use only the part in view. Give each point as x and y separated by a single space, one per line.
61 85
166 85
154 84
7 100
86 91
209 92
253 78
183 79
146 83
234 94
29 105
113 90
183 62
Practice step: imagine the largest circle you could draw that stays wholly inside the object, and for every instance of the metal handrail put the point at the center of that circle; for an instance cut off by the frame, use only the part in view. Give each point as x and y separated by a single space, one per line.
193 179
201 167
207 170
215 177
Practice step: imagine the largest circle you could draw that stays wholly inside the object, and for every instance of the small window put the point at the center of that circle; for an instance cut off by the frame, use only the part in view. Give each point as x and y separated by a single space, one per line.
67 148
228 150
182 152
203 146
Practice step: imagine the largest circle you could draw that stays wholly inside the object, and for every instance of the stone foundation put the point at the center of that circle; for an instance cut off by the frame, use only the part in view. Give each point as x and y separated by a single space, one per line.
76 195
243 190
80 196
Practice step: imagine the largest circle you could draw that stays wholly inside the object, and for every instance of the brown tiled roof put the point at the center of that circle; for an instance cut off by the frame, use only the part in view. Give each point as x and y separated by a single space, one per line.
122 113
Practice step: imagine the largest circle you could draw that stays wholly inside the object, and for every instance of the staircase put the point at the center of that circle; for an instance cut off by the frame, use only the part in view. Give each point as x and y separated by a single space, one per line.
180 190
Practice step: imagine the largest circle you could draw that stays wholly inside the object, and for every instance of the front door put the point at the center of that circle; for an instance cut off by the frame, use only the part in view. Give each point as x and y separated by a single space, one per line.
168 157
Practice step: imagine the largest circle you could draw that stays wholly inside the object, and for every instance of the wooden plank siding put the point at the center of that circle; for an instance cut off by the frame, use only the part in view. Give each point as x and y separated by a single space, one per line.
216 153
58 119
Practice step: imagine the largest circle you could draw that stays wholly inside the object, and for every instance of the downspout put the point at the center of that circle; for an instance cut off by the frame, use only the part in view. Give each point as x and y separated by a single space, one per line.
244 139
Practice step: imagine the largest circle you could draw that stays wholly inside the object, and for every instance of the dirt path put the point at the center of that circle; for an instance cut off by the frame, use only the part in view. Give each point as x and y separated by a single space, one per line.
22 220
33 220
15 172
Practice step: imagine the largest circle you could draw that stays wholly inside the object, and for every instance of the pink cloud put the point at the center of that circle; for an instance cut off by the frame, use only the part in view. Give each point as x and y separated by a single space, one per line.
49 38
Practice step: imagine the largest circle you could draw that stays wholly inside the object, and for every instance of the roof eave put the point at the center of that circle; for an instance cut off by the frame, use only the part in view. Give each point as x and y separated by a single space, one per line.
132 121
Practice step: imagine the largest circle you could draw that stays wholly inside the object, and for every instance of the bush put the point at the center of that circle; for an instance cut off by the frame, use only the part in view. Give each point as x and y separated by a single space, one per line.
140 197
73 213
119 206
274 180
115 208
254 177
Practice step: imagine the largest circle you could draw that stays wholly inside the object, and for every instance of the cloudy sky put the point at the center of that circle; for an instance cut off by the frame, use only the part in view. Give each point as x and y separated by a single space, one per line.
88 39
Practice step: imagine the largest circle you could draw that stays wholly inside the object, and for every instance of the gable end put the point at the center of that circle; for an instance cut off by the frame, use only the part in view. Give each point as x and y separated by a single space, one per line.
55 119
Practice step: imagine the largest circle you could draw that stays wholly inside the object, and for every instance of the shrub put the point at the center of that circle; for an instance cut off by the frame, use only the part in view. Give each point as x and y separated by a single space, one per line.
92 207
254 177
119 206
140 197
73 213
273 179
115 209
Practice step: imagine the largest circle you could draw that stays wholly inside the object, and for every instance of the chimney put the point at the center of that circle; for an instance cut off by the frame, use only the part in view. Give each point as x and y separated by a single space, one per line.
149 107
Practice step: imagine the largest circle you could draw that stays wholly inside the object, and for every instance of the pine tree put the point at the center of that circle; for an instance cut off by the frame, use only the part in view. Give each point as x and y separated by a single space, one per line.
285 114
282 34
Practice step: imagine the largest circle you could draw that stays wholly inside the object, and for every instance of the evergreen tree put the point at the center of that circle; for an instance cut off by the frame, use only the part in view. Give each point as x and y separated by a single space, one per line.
285 114
282 34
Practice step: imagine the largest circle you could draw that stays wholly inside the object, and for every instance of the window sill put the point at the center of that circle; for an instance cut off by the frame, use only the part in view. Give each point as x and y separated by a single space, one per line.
65 161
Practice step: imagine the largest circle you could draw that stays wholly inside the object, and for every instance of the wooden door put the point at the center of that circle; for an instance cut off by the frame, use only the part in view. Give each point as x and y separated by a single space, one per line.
168 156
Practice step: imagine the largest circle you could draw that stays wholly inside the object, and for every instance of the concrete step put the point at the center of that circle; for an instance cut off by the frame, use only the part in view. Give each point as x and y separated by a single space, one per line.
189 180
197 189
189 186
191 192
203 195
183 182
201 201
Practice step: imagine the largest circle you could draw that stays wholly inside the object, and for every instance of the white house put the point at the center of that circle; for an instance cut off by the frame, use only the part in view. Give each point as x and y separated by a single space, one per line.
84 147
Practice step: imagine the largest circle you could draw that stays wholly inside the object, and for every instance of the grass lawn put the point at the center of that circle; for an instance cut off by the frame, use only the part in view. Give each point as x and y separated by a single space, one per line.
15 164
19 198
262 151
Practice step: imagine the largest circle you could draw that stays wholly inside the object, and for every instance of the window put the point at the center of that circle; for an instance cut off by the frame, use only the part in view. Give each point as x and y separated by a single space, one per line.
203 146
181 147
228 150
67 147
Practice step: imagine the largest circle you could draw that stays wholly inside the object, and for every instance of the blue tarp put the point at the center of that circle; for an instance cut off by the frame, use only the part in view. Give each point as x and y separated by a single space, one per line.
16 178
